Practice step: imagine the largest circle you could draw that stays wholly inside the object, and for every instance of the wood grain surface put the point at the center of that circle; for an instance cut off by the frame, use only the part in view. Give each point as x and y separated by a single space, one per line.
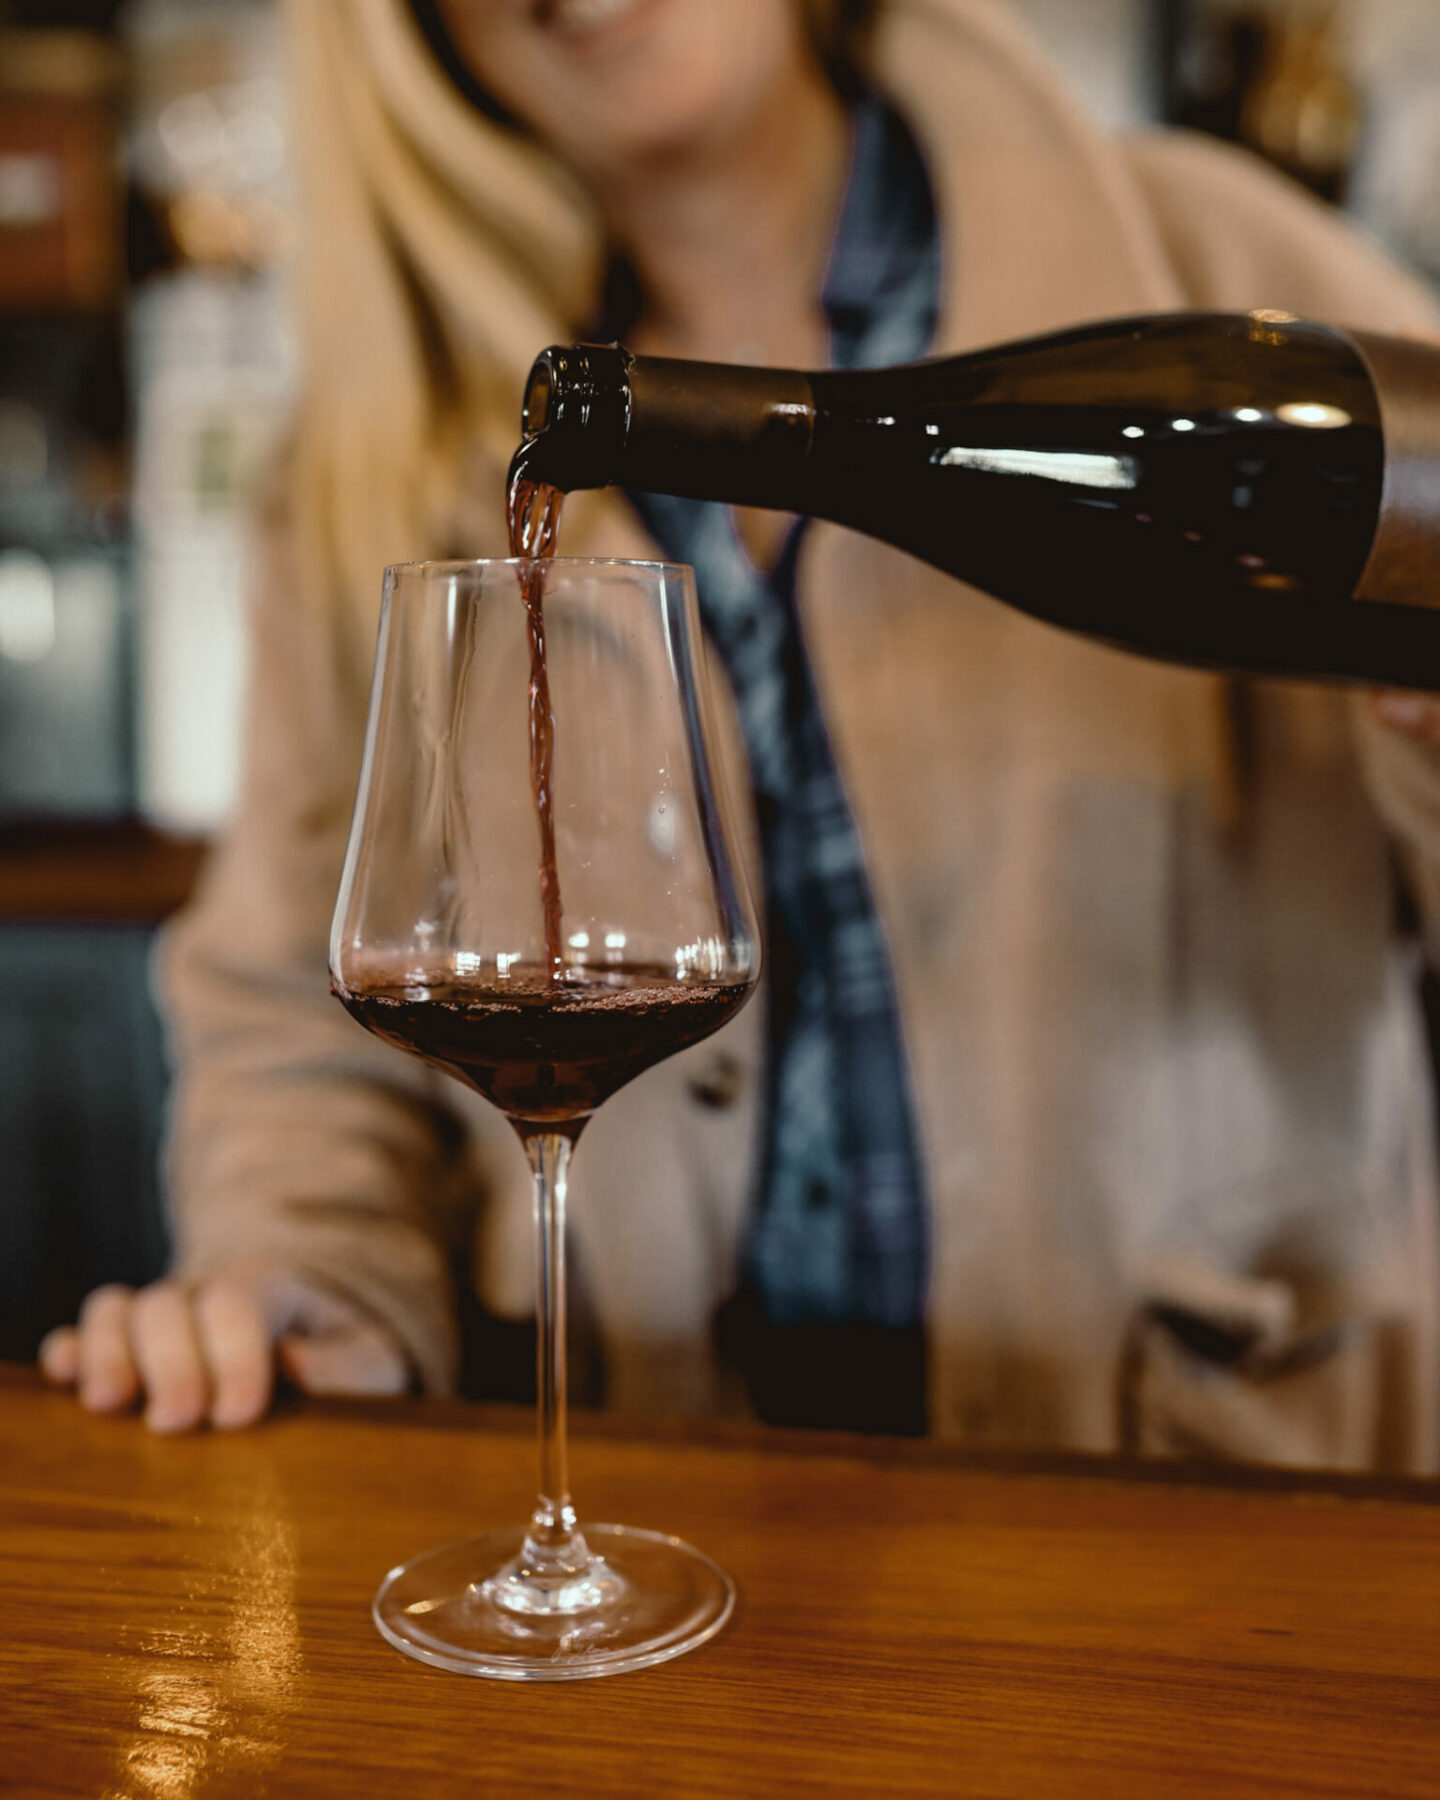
190 1617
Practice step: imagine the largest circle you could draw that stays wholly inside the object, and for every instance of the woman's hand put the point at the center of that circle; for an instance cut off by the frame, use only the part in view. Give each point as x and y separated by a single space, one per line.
1416 715
208 1350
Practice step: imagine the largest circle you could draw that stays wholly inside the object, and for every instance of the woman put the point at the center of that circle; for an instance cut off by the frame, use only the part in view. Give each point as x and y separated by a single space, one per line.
1138 1078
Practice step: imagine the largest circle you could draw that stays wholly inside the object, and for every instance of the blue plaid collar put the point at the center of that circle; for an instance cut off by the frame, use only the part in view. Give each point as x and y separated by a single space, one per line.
882 287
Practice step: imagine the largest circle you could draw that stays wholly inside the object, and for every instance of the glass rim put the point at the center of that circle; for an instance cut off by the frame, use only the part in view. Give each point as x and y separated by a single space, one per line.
442 567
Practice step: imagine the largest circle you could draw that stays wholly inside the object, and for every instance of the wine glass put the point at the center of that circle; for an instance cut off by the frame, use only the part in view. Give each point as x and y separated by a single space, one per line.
541 896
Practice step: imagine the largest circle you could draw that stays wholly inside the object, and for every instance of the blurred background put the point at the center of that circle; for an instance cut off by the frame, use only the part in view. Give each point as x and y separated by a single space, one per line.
147 223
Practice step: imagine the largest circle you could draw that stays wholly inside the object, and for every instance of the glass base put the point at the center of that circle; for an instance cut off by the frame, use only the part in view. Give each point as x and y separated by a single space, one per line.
641 1599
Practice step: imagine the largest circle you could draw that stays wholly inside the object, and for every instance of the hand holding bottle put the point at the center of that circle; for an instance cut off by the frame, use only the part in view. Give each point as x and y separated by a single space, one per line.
208 1351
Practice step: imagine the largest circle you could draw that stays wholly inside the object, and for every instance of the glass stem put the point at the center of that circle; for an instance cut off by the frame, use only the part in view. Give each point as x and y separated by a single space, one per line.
553 1544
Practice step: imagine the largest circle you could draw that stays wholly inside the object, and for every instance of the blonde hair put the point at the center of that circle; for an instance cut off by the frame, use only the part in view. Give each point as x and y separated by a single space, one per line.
439 253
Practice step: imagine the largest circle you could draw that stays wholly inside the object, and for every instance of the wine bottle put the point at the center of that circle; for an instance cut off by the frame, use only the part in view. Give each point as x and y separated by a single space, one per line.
1242 491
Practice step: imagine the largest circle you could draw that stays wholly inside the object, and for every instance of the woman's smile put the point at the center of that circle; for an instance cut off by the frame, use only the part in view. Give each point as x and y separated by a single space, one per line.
589 24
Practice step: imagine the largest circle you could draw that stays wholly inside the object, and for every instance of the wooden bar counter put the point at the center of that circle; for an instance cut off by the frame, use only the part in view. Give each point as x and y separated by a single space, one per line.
190 1617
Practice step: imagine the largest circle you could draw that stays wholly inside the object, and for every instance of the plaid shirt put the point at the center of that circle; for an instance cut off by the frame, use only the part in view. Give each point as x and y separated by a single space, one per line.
839 1232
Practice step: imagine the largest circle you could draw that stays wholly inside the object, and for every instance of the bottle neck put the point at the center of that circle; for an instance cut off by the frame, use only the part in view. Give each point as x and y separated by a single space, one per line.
595 416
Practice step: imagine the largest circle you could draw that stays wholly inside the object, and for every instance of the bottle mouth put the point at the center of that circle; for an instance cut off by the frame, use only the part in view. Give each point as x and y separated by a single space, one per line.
539 394
576 414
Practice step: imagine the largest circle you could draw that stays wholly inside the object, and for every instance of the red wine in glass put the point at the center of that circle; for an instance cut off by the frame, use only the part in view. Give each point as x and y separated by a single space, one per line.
548 1055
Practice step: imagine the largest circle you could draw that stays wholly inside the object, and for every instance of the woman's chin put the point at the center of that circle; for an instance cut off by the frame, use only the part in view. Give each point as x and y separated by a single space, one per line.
617 86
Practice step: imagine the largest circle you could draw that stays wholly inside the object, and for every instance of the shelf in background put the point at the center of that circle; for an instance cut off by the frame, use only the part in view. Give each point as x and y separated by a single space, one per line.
121 873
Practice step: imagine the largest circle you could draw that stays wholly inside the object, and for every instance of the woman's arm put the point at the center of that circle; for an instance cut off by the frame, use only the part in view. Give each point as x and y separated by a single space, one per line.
312 1171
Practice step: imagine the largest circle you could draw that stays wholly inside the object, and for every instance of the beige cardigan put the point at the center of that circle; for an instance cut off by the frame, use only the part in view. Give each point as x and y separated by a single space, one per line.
1168 1062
